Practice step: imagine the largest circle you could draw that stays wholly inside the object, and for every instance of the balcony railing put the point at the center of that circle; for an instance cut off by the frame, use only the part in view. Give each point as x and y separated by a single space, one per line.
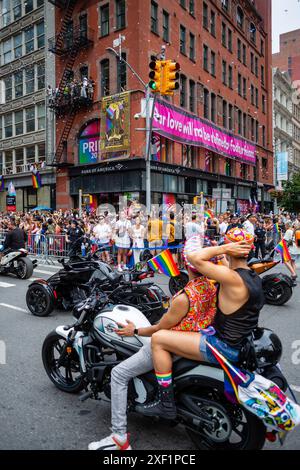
66 42
23 168
60 3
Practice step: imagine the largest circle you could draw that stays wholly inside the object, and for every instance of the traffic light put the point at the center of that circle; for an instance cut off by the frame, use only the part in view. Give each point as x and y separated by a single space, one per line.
170 74
155 75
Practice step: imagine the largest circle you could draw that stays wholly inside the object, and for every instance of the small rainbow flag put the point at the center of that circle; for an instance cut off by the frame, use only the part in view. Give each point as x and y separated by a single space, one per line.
208 214
276 229
164 263
282 248
1 184
36 180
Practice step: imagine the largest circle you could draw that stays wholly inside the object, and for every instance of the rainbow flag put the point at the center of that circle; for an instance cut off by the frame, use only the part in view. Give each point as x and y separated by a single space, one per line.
276 229
164 263
208 214
36 180
1 184
282 248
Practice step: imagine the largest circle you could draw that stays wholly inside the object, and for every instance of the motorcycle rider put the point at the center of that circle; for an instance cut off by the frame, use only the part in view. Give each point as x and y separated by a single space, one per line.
15 238
240 299
191 309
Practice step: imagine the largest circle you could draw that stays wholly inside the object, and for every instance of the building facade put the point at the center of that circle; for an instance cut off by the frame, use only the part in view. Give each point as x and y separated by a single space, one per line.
22 103
224 51
288 58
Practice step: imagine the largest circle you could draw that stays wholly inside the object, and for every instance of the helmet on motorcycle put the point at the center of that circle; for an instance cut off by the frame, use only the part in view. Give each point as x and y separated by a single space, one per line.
237 234
268 347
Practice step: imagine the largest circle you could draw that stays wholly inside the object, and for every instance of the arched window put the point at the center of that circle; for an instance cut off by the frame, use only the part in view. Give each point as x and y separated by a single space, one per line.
253 32
240 17
89 143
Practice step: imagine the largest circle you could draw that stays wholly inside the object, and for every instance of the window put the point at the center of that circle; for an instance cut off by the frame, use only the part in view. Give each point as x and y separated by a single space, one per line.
192 47
166 32
182 39
122 74
39 3
206 104
7 51
205 15
29 40
240 122
192 96
240 17
104 20
182 3
252 62
17 46
245 88
256 131
252 94
263 103
256 66
40 33
83 26
223 33
40 75
213 23
41 152
230 117
253 33
19 128
29 79
230 75
245 125
9 161
205 57
264 135
20 158
182 91
224 113
192 7
18 84
262 72
228 167
240 84
239 50
224 72
30 155
262 47
6 18
30 119
229 32
8 131
225 5
8 90
154 17
244 54
120 14
104 72
213 63
256 97
28 6
213 107
41 116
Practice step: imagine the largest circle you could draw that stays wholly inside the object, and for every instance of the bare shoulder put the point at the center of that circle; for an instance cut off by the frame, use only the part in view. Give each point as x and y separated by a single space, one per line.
181 302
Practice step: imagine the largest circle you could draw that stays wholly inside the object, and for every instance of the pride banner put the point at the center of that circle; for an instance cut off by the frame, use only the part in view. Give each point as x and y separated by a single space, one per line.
180 126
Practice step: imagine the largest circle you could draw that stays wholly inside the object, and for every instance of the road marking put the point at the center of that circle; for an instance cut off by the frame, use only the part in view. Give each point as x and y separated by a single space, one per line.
13 307
295 388
6 284
41 271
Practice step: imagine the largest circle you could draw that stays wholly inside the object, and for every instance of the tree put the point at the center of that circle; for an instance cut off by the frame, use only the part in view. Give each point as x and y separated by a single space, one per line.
290 198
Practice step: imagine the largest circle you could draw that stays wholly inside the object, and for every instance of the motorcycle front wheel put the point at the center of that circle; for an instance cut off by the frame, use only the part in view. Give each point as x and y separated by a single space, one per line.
24 269
277 294
178 283
236 428
62 364
39 301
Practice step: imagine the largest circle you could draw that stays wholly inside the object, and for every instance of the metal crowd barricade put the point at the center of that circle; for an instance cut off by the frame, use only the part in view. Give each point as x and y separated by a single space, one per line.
47 247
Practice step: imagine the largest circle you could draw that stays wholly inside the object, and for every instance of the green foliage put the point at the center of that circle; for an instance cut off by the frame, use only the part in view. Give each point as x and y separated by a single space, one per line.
290 198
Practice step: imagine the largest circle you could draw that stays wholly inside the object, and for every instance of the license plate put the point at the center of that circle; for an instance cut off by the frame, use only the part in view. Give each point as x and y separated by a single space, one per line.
166 304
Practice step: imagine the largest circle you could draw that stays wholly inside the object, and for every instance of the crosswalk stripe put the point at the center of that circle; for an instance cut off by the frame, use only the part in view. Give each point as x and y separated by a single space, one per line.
41 271
6 284
13 307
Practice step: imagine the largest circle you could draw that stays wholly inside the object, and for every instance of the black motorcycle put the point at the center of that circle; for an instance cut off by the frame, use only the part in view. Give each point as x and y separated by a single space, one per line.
81 356
277 287
75 280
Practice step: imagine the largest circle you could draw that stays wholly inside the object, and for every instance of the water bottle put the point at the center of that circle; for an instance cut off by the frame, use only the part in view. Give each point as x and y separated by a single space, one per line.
83 251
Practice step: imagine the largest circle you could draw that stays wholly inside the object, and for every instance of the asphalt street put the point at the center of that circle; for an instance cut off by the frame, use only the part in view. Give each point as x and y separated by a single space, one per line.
35 415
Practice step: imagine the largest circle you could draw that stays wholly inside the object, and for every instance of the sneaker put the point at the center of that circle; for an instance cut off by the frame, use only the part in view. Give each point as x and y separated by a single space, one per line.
111 442
120 270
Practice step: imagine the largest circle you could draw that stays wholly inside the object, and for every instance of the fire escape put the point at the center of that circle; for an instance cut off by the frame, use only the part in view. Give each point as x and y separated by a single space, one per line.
64 102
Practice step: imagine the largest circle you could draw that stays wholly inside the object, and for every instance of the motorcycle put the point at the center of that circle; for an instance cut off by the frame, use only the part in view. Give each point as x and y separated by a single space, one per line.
75 281
277 287
81 356
18 263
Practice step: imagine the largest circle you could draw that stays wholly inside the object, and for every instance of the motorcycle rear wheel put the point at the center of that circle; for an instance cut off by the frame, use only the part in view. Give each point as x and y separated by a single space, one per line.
39 301
247 433
65 375
25 268
278 294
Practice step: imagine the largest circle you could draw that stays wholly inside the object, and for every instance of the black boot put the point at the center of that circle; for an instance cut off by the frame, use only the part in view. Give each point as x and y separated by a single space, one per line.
164 407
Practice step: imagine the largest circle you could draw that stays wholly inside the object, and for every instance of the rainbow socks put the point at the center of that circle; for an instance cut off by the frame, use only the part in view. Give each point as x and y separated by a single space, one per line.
164 380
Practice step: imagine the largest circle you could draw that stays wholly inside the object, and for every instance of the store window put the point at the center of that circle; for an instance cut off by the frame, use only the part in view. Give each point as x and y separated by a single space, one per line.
89 143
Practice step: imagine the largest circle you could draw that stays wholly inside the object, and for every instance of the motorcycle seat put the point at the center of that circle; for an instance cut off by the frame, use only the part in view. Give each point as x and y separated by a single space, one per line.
182 365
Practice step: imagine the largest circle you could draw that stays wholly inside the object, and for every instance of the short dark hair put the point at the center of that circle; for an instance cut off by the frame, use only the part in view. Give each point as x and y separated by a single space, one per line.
194 217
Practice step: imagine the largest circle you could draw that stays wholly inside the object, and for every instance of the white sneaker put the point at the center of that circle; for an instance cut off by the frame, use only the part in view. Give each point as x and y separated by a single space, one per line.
120 270
111 442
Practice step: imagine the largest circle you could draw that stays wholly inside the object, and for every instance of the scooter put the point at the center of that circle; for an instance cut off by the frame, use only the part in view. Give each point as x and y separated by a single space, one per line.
18 263
81 357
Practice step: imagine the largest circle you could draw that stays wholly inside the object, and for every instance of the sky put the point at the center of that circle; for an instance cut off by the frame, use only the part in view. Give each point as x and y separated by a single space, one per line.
286 17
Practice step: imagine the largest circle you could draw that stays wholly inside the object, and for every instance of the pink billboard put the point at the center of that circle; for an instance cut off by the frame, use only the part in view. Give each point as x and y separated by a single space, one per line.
178 125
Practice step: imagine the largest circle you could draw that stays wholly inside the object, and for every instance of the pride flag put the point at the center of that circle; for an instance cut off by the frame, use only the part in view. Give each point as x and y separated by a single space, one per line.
282 248
164 263
208 214
36 180
276 229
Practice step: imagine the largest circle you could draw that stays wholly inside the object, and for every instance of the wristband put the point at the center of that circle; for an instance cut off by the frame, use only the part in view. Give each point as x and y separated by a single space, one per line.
136 331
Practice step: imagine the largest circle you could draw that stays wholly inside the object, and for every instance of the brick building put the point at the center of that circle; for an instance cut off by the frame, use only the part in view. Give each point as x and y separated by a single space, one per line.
288 58
224 49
